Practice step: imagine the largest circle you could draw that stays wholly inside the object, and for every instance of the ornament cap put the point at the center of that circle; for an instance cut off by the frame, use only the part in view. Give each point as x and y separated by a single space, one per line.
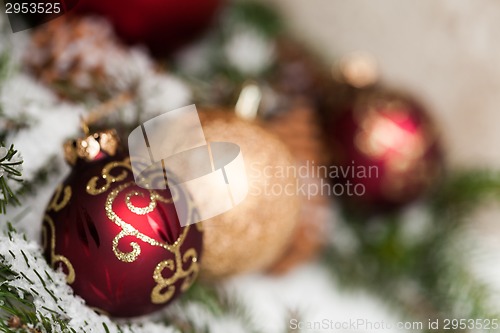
90 147
358 69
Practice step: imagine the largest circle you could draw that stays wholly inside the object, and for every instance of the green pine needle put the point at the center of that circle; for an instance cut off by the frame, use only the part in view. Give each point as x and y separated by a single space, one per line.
10 171
257 15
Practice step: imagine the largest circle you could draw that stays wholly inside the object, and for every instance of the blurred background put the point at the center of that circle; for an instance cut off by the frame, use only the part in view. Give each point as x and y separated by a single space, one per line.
423 244
446 52
443 51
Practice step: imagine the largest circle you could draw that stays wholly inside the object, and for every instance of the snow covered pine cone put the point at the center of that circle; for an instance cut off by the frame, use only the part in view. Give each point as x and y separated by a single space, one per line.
77 55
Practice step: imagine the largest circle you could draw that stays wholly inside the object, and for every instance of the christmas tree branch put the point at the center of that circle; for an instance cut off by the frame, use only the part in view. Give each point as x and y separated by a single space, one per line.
34 298
427 277
18 291
463 191
217 303
10 171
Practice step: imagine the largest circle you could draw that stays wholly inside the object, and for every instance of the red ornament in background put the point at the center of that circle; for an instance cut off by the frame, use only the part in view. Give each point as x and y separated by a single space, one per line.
162 25
121 246
385 150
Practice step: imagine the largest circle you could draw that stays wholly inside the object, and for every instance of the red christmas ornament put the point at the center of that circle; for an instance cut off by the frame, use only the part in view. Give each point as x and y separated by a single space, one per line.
385 150
121 246
162 25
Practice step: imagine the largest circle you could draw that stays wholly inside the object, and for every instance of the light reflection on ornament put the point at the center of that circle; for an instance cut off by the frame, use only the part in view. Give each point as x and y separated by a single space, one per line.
390 134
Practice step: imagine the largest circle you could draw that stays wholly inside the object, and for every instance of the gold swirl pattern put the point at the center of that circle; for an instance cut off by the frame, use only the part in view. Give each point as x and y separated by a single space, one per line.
55 258
56 204
154 197
157 297
129 256
165 288
189 275
92 188
128 230
192 271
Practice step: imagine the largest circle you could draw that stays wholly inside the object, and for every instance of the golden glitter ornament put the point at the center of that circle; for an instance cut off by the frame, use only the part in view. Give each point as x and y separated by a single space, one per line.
254 234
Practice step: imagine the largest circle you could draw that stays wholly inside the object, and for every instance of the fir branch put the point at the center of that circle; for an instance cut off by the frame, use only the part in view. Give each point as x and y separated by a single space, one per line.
17 304
258 15
214 298
219 80
10 170
463 191
40 178
218 302
33 296
427 278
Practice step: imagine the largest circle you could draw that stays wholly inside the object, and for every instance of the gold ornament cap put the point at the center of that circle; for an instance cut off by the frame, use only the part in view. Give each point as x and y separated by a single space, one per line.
89 147
358 69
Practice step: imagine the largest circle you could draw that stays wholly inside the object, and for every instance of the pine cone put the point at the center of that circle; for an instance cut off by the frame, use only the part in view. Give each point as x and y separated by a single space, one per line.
76 55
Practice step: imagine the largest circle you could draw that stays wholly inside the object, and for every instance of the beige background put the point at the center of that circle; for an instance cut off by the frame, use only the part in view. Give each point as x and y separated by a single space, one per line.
447 52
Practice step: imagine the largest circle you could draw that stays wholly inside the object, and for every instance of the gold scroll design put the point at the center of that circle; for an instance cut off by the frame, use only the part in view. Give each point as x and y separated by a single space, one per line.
57 203
109 179
165 287
106 176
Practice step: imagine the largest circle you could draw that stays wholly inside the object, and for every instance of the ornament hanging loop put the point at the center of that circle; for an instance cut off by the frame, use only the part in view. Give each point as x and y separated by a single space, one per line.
84 126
